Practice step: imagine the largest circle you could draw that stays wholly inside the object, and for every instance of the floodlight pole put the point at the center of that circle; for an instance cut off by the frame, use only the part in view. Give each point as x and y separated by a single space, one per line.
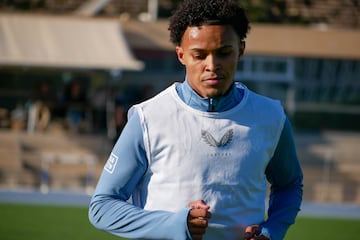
153 6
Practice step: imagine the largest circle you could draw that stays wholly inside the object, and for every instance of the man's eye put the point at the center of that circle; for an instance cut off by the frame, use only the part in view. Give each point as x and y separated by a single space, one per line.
225 53
198 56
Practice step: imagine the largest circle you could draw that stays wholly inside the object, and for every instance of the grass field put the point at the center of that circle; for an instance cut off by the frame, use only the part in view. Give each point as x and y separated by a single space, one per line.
38 222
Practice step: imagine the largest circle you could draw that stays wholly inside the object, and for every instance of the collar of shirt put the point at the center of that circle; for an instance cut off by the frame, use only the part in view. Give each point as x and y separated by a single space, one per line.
219 104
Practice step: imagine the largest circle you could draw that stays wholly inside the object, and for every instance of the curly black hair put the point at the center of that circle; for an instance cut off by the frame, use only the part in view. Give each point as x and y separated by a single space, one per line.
209 12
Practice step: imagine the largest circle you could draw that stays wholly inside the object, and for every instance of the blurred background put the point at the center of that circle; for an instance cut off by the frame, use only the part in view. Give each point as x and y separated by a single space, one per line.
70 69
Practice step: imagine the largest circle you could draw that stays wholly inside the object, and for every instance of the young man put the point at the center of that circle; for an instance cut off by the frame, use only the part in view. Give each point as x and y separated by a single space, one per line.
195 158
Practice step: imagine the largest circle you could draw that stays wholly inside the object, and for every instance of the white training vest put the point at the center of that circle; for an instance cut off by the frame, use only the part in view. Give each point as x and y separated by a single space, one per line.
218 157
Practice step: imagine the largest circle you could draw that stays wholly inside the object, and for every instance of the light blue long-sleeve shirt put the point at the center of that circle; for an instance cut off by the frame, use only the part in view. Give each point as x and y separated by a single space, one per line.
110 211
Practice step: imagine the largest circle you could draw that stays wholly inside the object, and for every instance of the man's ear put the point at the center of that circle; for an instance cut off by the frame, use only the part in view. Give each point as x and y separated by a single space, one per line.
241 49
180 54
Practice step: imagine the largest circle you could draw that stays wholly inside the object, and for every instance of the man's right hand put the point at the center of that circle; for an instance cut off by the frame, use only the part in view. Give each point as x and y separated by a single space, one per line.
197 220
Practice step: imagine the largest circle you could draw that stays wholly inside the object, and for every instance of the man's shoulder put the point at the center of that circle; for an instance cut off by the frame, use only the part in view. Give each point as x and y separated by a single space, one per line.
157 102
263 99
264 105
161 96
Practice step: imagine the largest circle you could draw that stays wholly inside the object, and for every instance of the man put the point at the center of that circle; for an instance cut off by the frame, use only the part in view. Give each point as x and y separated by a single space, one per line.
195 158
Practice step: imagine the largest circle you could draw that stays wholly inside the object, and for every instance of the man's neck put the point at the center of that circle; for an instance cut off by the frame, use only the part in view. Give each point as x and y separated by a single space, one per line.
217 104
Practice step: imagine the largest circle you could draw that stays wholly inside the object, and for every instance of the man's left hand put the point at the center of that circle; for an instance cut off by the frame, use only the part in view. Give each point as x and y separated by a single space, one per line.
252 233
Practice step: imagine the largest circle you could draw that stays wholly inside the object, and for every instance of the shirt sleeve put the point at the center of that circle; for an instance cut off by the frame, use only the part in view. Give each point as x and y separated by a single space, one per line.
285 175
109 209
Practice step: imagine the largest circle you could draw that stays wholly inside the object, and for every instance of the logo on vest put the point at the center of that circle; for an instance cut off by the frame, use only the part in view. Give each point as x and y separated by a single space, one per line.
225 139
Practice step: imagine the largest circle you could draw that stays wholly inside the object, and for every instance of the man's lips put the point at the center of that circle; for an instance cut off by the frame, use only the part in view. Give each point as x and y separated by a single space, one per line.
213 80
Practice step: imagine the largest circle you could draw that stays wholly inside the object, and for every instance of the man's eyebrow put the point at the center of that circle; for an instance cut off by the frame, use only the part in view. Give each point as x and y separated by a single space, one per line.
227 46
197 49
203 50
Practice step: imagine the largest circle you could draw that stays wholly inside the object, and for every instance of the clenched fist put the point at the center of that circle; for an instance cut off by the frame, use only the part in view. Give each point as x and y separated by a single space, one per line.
252 233
197 220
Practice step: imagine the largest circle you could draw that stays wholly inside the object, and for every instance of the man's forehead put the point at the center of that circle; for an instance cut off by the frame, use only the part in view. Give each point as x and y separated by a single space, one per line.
209 35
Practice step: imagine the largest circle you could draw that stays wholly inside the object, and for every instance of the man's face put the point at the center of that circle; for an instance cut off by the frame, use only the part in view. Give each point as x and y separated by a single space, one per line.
210 54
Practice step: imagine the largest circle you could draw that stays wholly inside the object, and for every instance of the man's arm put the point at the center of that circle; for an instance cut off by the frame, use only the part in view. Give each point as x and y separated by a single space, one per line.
285 176
109 209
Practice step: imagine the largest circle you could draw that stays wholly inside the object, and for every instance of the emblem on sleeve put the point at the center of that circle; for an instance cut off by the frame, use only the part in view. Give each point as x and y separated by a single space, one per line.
111 163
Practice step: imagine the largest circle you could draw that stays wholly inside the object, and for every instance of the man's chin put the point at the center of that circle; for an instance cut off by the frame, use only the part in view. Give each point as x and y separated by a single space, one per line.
214 94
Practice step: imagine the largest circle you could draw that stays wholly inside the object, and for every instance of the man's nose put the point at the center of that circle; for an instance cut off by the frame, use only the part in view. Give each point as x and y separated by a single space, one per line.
212 63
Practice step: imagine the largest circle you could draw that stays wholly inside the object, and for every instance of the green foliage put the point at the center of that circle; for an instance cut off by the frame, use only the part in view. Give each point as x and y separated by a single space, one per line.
274 11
